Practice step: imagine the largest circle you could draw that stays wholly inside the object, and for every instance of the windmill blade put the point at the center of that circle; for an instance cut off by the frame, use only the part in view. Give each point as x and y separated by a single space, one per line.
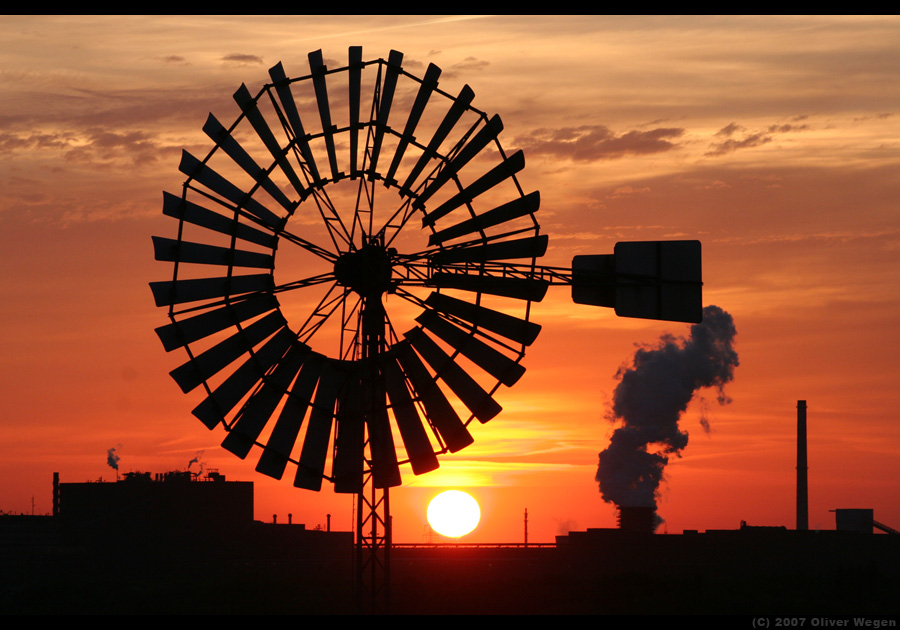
222 400
440 412
523 206
507 326
452 116
185 331
167 249
361 405
205 365
170 292
192 167
221 136
354 73
384 107
275 456
311 468
251 110
428 85
532 289
262 403
492 361
478 142
349 439
415 439
286 97
473 396
385 468
529 247
506 169
198 215
318 69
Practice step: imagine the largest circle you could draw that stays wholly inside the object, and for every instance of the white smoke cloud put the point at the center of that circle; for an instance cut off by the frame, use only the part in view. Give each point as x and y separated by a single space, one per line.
650 398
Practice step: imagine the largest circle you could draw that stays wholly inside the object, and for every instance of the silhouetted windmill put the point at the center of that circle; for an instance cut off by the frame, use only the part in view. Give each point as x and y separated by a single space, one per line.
456 241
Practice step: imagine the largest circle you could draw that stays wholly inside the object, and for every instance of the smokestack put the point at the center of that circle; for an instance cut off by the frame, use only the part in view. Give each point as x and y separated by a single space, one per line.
802 468
526 527
56 494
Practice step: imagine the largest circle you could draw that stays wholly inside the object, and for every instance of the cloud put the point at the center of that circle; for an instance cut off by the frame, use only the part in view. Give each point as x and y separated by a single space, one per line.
785 128
413 65
749 140
243 59
598 142
623 191
465 67
875 117
82 108
17 141
101 145
471 63
729 146
729 130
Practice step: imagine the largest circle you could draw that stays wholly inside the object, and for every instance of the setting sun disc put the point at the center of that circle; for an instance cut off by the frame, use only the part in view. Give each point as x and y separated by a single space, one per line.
453 513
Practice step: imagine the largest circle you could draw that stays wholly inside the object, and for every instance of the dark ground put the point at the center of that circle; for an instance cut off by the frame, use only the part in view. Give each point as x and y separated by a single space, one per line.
268 569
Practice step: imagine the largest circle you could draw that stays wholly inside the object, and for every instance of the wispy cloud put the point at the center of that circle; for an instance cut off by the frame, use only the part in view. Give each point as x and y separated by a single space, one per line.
598 142
467 66
242 59
737 137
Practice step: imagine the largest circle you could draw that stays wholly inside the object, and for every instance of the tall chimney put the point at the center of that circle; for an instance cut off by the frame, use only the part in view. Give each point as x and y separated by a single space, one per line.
526 527
802 488
56 494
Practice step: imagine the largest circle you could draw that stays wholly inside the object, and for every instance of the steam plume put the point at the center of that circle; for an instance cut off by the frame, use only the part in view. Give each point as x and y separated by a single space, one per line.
650 398
112 459
196 460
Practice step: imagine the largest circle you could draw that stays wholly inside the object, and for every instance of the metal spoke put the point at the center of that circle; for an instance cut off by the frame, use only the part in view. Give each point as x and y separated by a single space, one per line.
347 348
425 254
405 212
326 307
304 282
309 246
332 218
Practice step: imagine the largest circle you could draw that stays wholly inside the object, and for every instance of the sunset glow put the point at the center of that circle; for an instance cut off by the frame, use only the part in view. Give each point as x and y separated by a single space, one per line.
773 140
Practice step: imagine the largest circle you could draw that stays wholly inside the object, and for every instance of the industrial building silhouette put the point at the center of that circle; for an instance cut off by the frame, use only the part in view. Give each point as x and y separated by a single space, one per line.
181 543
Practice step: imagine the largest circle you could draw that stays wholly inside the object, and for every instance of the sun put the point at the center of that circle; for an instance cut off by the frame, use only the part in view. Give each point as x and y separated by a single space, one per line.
453 513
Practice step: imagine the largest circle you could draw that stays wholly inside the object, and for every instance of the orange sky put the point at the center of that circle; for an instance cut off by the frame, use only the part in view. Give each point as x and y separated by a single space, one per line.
773 140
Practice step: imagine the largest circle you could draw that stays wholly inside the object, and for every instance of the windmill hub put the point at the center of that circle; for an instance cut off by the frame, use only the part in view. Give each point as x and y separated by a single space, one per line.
366 270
